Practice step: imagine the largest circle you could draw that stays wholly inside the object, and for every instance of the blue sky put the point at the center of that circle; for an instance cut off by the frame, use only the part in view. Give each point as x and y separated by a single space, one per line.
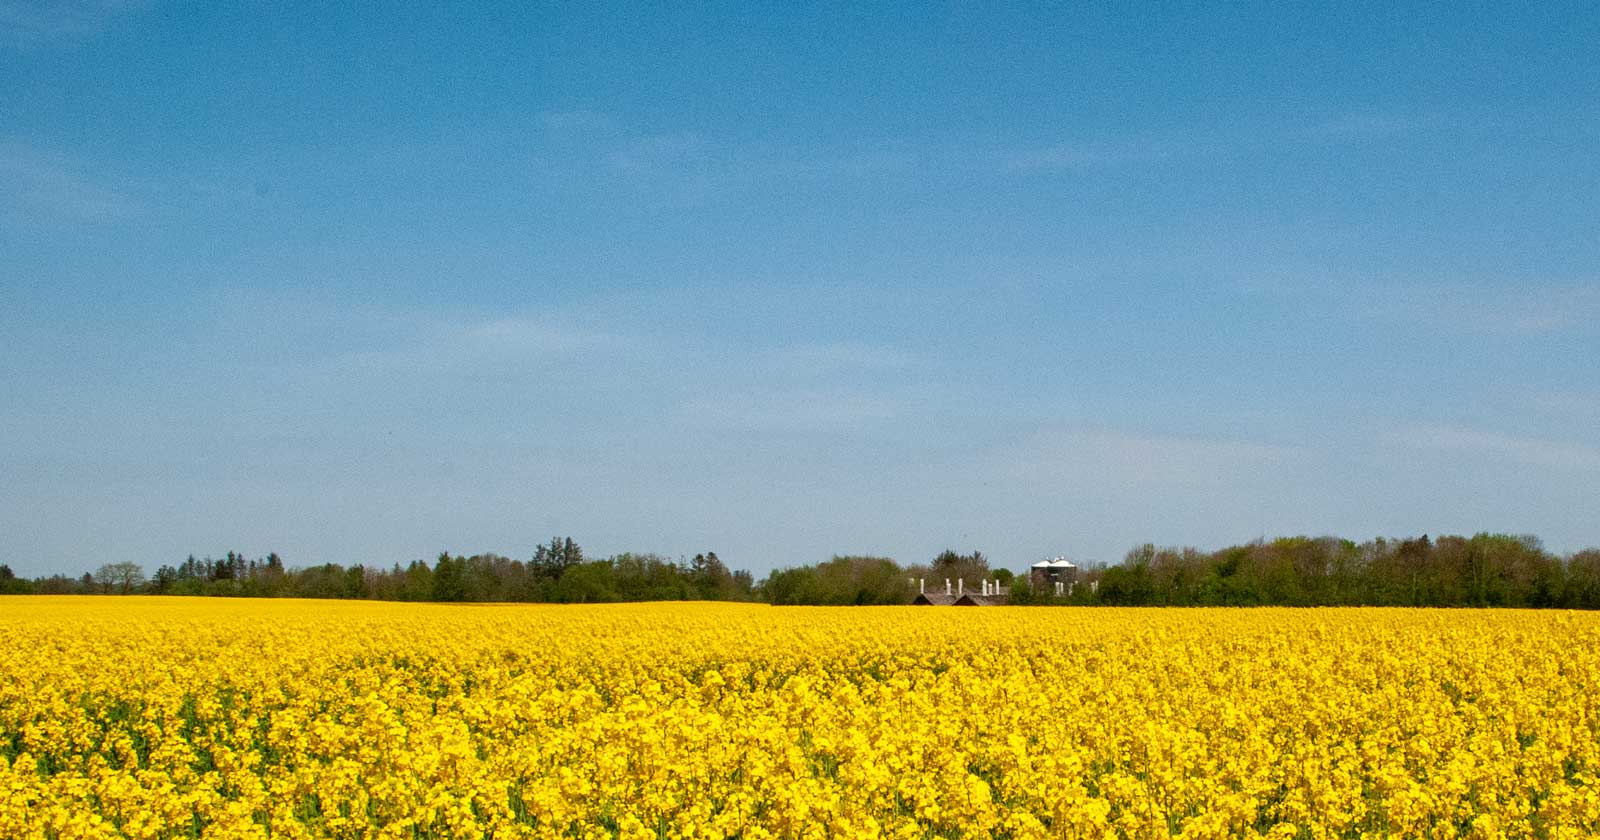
786 282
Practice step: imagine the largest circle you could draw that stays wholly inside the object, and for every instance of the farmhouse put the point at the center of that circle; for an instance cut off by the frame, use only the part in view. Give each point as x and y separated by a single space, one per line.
1053 576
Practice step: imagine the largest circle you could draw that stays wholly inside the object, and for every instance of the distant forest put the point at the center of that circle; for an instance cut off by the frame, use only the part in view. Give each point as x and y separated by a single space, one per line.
1486 570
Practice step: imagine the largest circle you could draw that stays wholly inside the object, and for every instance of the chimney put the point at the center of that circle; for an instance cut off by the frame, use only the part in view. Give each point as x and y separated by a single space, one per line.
961 586
920 590
947 587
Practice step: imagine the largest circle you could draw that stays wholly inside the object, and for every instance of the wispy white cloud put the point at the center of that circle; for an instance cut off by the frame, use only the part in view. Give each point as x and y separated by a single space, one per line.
620 149
708 162
426 344
577 120
1115 458
1047 158
40 185
831 358
826 387
598 346
658 152
44 186
779 411
1566 455
596 142
1358 126
1575 402
1064 157
700 382
528 334
1515 310
34 24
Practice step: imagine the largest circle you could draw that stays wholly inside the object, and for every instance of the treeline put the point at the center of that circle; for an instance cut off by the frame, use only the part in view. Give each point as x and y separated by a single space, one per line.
557 573
852 580
1486 570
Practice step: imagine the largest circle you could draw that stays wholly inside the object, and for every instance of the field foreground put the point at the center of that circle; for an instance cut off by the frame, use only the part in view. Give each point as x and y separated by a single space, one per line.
152 718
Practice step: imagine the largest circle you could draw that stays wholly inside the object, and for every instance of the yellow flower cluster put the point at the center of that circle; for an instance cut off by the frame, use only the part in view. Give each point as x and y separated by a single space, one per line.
158 718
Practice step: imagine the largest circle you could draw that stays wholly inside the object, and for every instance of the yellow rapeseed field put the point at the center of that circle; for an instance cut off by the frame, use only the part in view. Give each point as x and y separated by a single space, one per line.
155 718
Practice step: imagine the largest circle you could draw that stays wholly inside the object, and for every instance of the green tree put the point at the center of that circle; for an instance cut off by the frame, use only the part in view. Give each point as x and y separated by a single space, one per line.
840 581
164 579
952 566
418 585
449 578
1582 589
124 577
10 584
587 583
553 560
711 579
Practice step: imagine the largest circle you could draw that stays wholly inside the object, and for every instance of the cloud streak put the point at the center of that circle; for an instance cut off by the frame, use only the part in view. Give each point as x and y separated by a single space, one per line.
1538 452
38 25
1078 156
1110 457
1066 157
1521 310
502 345
1357 127
594 143
786 411
47 185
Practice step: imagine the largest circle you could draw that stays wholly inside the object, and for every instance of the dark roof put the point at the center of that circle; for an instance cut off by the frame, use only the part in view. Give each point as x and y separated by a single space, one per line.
971 600
937 600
